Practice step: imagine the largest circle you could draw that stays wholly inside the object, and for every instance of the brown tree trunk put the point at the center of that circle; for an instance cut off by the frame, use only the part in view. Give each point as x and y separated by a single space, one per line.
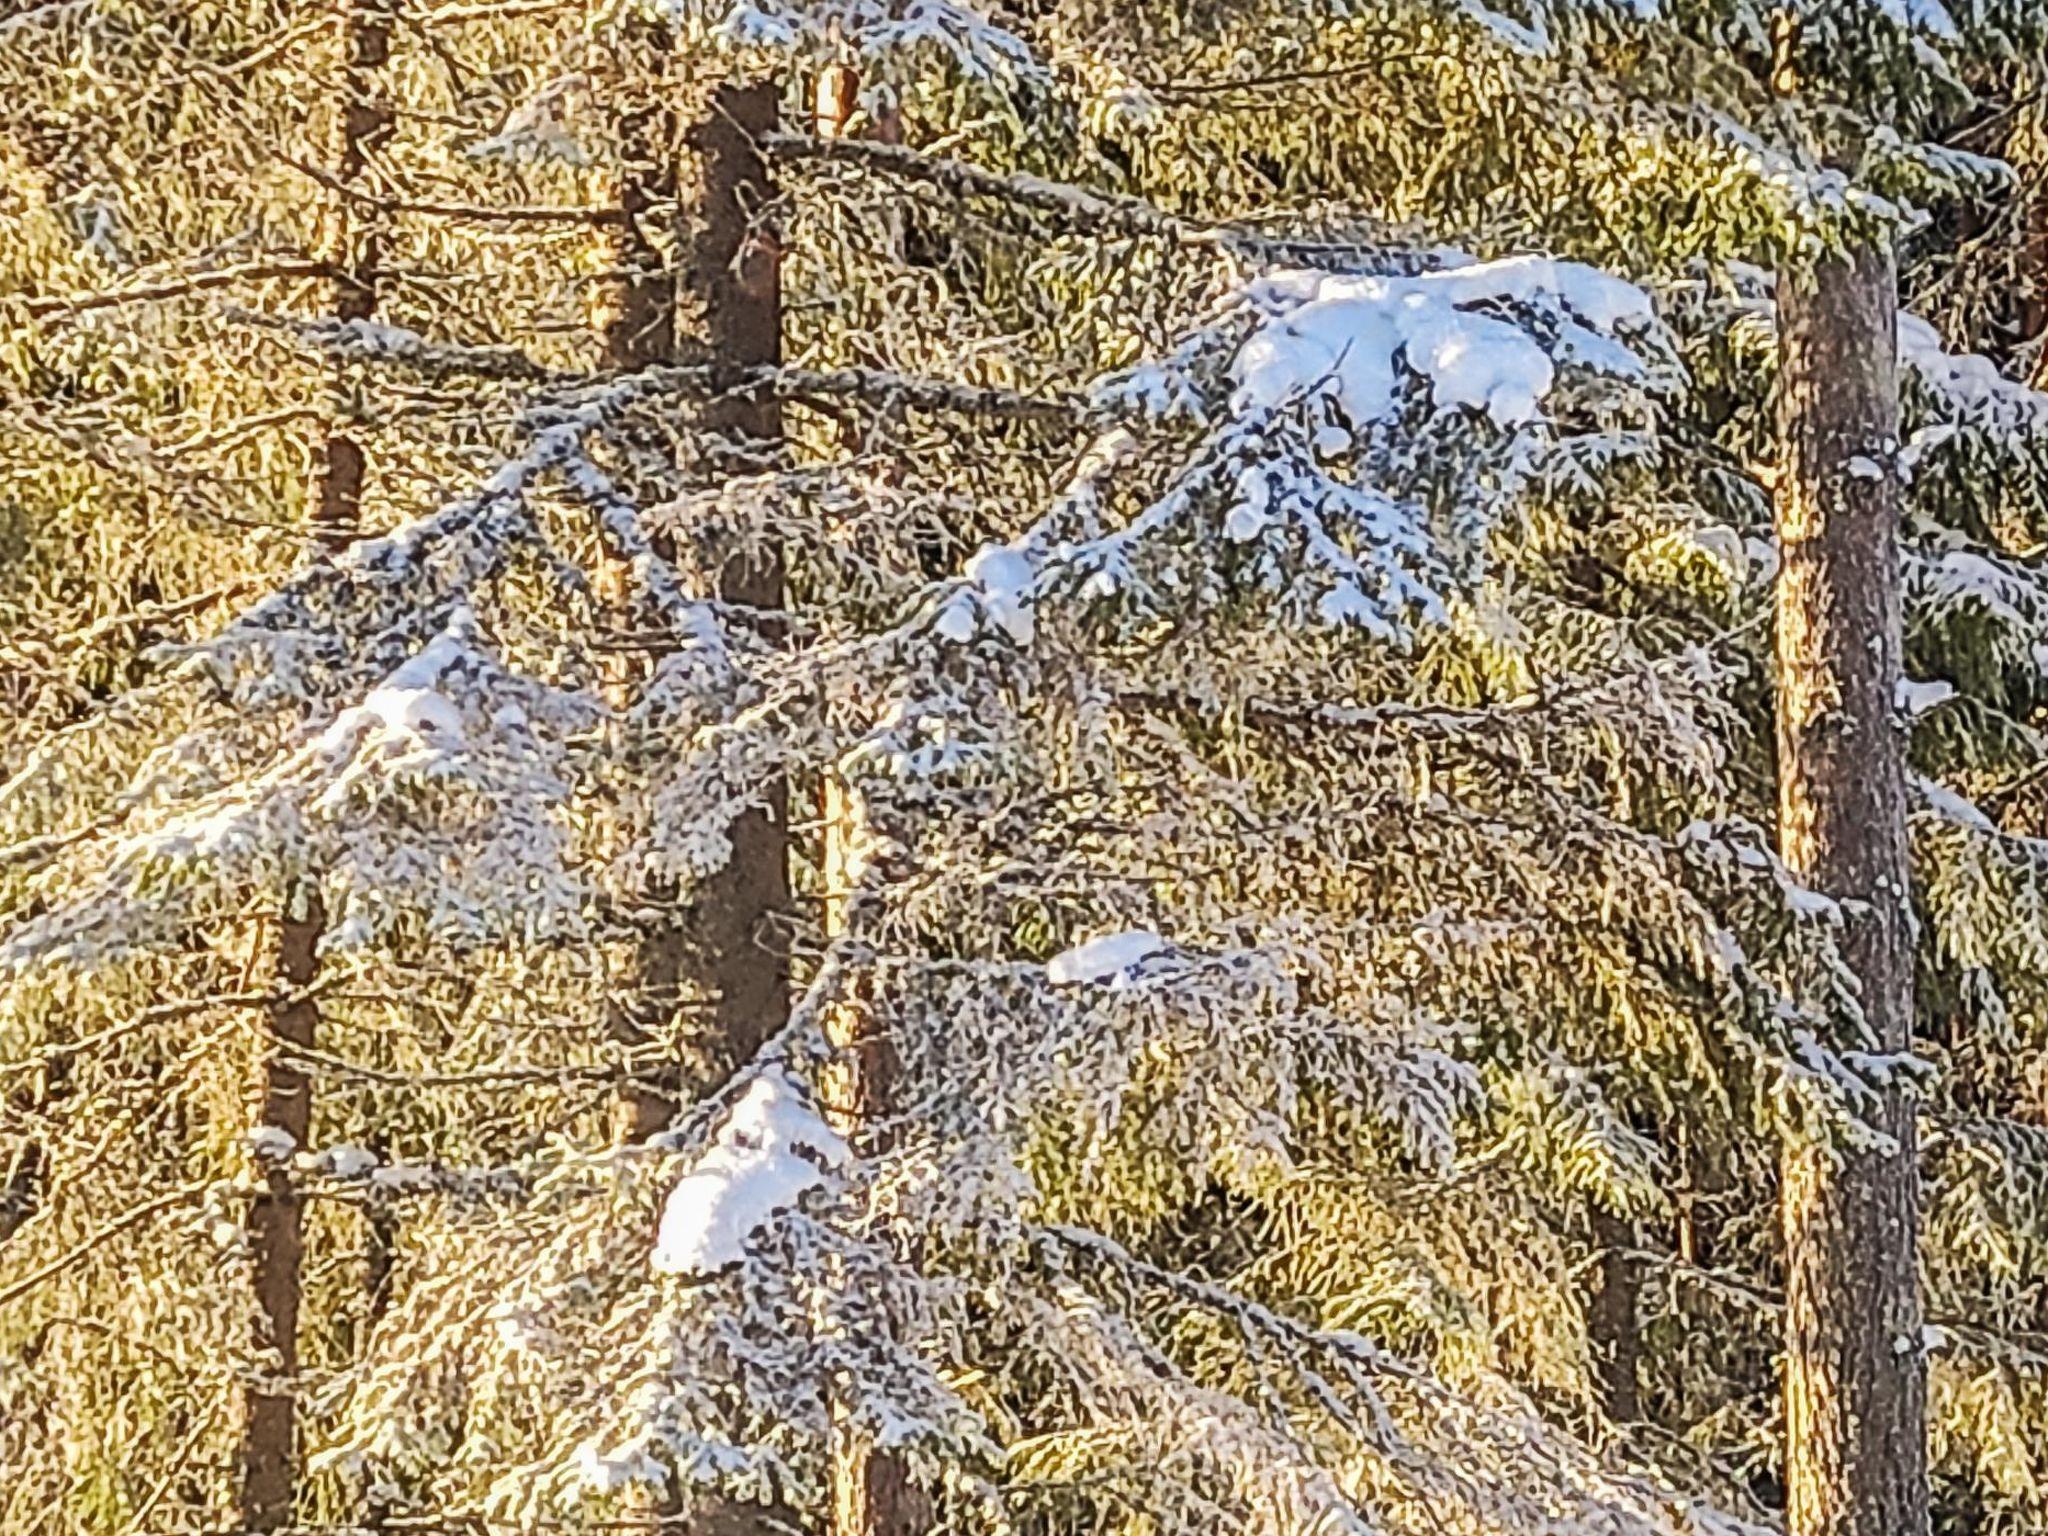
739 925
872 1492
1855 1372
21 1188
354 244
267 1459
731 944
2033 301
1611 1316
639 332
269 1467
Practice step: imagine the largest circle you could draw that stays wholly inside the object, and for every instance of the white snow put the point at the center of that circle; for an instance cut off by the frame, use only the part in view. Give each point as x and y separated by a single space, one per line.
349 1162
535 131
971 42
1968 383
609 1472
1917 447
772 1148
272 1144
408 712
1951 806
1804 901
956 621
1103 959
1331 441
1914 698
1926 16
1345 337
1003 576
1718 544
1763 558
1253 509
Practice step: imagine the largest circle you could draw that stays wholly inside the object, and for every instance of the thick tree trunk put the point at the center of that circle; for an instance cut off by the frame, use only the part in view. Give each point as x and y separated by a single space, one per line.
739 924
1855 1372
640 331
269 1467
731 944
640 325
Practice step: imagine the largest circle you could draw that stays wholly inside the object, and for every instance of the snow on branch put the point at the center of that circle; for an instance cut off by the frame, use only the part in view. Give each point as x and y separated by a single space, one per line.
373 341
902 34
432 800
772 1148
879 387
1498 1463
1359 434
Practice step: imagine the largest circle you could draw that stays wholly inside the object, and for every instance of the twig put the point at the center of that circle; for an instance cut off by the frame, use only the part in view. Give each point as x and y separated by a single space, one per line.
269 270
79 1250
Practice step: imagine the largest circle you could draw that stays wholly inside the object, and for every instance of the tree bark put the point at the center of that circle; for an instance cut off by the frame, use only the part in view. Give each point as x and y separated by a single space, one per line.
267 1458
1855 1371
277 1248
355 244
731 943
1611 1316
872 1491
640 331
739 925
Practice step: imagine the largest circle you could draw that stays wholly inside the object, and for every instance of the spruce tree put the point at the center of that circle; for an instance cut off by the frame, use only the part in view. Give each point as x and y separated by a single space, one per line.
1293 674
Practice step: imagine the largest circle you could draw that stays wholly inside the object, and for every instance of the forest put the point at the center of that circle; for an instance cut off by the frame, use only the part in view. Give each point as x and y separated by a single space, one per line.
1024 767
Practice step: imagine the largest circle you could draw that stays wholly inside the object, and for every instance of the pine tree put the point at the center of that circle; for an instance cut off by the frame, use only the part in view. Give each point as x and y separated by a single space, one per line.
1855 1383
1301 698
268 1455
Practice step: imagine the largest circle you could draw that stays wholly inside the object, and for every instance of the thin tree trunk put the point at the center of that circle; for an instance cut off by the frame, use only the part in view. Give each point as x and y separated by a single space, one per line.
1855 1371
21 1188
872 1491
267 1458
354 244
739 925
269 1467
2032 320
1611 1312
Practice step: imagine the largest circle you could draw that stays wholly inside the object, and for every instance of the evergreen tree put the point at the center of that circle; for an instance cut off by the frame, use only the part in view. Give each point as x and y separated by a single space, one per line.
1295 1006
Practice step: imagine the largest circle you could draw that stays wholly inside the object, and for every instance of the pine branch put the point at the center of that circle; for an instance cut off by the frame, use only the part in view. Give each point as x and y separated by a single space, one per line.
271 269
874 386
133 1217
1081 210
481 213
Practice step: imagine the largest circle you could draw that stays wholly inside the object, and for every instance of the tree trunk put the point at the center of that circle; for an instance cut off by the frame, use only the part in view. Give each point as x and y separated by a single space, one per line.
872 1492
739 924
1855 1372
640 331
354 245
268 1454
269 1467
1611 1316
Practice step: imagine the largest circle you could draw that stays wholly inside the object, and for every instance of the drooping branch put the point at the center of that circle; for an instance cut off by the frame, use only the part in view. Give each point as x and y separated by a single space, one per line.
1079 209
